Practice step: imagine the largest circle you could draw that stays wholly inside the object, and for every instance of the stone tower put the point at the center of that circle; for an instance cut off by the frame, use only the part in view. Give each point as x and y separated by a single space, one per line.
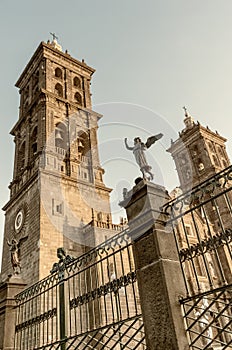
57 192
198 153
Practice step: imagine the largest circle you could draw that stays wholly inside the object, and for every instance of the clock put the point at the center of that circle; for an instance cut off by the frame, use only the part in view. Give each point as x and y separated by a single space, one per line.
19 221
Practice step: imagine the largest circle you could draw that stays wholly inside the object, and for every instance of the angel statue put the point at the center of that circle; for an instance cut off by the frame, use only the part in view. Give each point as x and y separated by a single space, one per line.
15 253
138 150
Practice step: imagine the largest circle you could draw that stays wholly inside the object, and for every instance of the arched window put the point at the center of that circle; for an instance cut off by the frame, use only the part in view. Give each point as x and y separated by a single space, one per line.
58 73
26 93
59 90
99 216
35 79
36 90
26 105
34 145
61 136
35 83
219 150
201 166
77 82
21 157
83 143
215 160
26 97
183 159
211 146
78 98
195 150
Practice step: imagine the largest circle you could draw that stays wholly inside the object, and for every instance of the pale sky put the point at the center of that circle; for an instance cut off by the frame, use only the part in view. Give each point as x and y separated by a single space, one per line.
151 57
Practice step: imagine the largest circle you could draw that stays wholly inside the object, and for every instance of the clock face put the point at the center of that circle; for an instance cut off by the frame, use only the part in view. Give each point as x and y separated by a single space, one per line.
19 220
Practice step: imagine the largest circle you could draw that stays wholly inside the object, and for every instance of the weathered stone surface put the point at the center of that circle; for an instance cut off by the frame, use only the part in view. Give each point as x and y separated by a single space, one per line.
8 289
160 279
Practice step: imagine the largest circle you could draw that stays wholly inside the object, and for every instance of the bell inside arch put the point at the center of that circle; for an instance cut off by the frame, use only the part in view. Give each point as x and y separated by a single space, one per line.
59 136
80 146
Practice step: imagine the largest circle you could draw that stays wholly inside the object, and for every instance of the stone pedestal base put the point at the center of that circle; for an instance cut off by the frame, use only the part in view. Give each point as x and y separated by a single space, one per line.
160 279
8 289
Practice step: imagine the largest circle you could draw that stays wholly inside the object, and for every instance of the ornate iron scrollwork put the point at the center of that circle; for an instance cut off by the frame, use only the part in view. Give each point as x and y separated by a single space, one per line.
36 320
110 287
199 194
206 245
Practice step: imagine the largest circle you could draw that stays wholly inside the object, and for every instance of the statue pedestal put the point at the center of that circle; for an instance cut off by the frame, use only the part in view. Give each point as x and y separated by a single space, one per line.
8 289
160 279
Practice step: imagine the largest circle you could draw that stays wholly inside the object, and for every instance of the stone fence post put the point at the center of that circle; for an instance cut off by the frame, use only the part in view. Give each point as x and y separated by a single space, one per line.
8 289
160 279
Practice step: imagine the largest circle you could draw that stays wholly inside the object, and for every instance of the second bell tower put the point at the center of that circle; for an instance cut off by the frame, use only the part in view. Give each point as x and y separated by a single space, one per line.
199 153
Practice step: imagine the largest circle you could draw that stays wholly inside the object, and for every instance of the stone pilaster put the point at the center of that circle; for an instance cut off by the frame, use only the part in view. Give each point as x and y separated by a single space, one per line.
160 279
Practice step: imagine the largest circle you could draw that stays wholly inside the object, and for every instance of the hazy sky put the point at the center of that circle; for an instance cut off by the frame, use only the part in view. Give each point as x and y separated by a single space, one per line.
151 58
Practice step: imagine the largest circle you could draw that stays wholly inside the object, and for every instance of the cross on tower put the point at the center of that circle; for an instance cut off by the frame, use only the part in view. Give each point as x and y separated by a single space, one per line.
54 37
185 111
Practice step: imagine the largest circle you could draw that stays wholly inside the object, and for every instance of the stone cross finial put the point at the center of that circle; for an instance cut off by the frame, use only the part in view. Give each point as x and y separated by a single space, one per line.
189 122
54 37
185 111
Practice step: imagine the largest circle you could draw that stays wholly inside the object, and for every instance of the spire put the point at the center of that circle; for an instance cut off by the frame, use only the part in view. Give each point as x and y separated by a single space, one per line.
188 120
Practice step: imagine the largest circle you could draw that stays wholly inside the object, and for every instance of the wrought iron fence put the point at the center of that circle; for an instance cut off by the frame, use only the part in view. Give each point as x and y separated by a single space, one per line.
201 220
90 302
209 320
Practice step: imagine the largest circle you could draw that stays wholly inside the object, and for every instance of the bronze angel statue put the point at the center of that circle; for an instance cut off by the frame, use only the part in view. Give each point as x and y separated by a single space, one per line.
138 150
15 253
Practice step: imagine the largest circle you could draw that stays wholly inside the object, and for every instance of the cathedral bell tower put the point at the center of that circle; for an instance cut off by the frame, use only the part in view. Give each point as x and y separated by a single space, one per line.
198 153
57 185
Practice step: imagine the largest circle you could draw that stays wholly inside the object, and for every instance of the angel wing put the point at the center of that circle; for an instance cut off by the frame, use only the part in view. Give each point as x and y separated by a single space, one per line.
23 239
153 139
